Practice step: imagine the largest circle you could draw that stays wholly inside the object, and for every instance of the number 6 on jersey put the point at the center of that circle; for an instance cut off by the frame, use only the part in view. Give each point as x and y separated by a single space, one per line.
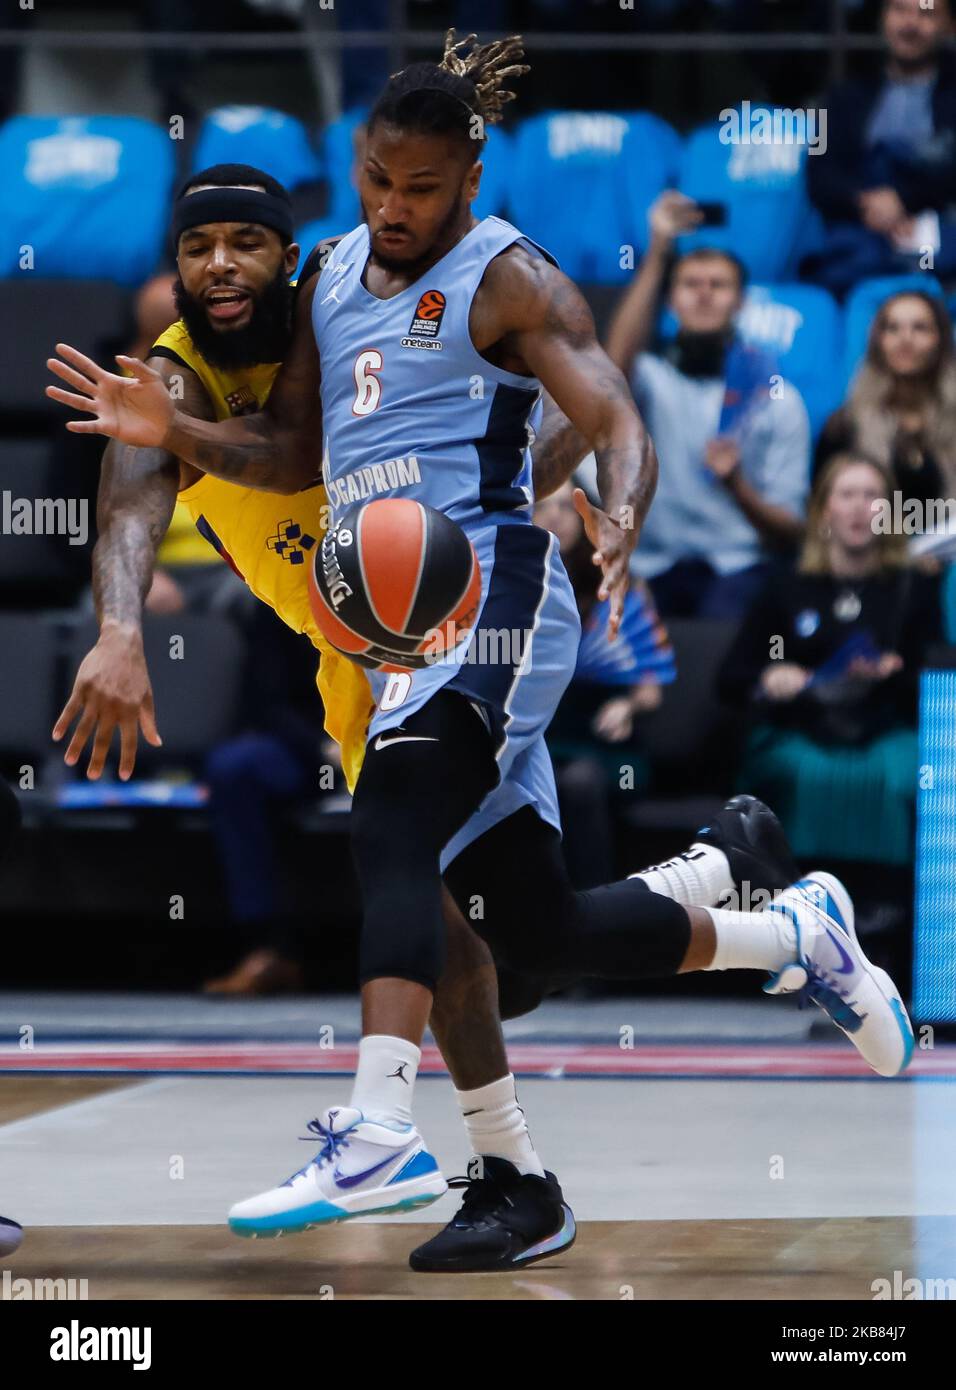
368 388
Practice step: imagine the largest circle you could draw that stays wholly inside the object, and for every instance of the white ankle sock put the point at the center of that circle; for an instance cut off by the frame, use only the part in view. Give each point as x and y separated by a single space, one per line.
752 940
697 878
496 1125
385 1079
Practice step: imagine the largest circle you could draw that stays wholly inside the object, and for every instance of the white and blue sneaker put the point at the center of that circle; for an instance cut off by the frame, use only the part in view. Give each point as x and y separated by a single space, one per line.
832 971
362 1167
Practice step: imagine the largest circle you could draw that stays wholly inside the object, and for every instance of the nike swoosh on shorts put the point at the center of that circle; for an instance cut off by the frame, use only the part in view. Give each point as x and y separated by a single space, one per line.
405 738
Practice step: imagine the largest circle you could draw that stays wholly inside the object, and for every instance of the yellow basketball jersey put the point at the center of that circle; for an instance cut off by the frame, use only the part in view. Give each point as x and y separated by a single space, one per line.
182 543
269 540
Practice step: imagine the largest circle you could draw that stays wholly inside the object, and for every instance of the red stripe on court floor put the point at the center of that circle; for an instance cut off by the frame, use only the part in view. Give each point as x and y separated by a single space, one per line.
716 1060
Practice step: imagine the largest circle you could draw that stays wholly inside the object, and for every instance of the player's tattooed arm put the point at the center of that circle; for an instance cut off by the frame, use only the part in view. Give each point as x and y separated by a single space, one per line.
137 494
557 450
276 450
135 502
543 323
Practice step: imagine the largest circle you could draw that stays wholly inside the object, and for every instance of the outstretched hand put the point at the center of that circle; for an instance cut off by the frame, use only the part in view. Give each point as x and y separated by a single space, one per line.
135 409
612 551
112 690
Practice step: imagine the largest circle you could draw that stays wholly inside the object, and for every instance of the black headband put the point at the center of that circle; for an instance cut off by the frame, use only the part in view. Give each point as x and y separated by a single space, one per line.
231 205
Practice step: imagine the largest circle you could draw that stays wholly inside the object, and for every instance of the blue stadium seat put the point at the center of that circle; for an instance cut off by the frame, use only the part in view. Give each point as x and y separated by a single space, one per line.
495 176
567 189
801 326
650 159
313 232
337 155
764 190
89 195
257 135
811 240
337 160
862 304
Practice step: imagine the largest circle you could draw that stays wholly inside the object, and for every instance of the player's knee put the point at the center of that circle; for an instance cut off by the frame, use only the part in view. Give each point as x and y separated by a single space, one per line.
408 943
387 959
384 840
518 994
396 824
529 951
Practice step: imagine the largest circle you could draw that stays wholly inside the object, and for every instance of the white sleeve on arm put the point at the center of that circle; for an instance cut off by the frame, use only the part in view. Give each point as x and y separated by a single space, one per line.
785 471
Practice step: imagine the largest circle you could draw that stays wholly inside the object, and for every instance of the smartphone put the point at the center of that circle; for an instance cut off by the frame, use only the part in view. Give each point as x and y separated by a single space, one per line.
715 214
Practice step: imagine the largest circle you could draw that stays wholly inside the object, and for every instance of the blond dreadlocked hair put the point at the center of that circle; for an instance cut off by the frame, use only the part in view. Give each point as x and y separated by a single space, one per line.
457 96
485 65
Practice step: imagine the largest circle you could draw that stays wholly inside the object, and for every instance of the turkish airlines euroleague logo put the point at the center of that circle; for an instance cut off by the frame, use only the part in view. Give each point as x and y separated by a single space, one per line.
428 315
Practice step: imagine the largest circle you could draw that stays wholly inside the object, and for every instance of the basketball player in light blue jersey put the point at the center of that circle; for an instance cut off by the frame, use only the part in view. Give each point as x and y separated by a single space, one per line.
418 356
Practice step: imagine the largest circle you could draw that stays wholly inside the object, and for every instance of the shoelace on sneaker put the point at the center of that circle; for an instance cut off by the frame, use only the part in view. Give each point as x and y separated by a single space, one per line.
821 988
331 1143
483 1197
332 1140
824 989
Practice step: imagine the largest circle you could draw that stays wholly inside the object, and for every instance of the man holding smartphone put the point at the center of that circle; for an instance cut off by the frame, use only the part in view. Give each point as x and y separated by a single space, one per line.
733 438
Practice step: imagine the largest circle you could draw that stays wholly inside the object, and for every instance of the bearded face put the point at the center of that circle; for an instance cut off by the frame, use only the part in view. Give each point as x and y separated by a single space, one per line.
264 336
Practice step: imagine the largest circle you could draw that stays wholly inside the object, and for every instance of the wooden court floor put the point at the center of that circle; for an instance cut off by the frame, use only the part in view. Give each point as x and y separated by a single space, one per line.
788 1260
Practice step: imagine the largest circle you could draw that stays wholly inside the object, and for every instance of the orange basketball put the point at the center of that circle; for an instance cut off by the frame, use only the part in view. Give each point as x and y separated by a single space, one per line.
395 584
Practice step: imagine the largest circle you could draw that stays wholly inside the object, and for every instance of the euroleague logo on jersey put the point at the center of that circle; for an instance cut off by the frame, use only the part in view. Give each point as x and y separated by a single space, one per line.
423 329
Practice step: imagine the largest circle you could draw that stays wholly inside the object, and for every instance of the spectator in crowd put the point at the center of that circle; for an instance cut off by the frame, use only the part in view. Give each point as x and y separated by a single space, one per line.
733 439
886 184
901 410
155 310
280 760
595 733
827 661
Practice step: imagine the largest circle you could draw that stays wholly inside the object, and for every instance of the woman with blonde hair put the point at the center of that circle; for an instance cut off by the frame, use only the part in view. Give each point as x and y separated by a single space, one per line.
828 662
901 409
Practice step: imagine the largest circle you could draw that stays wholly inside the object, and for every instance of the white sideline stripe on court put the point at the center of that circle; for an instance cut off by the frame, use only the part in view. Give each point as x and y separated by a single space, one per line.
85 1103
676 1150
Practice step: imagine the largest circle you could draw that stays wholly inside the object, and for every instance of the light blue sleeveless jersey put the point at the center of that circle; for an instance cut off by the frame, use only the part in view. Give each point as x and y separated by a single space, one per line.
411 409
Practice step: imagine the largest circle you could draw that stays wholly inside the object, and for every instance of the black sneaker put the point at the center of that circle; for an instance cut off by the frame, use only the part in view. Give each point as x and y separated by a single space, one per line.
752 838
506 1221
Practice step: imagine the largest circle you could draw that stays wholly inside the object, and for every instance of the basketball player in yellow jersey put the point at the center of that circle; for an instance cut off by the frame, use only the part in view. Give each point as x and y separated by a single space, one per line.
220 359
